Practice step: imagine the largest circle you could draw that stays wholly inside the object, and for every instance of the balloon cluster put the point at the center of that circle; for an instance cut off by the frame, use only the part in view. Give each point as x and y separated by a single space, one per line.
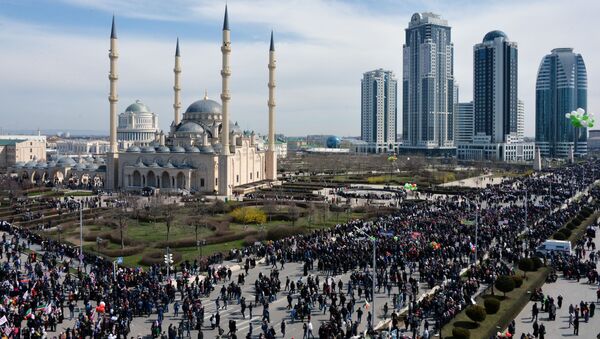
410 187
435 245
392 158
580 118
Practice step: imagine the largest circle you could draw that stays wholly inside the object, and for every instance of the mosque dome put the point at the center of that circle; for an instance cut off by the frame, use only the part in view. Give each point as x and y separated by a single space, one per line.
163 149
205 105
493 35
190 127
134 149
41 165
137 107
177 149
207 149
66 161
192 149
19 164
148 149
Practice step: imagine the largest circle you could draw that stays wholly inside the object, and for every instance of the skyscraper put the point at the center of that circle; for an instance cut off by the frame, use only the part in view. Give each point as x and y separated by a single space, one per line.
561 87
428 85
497 114
464 123
379 110
520 119
495 72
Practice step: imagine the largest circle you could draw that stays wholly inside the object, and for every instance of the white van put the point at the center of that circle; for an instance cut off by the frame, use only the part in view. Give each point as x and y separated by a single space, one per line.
556 246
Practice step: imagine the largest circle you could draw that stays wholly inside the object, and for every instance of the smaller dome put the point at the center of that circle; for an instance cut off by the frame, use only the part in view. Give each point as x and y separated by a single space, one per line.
169 164
154 165
91 167
134 149
234 128
137 107
19 164
41 165
192 149
207 149
66 161
491 36
148 149
163 149
31 164
218 147
79 167
52 164
190 127
204 106
177 149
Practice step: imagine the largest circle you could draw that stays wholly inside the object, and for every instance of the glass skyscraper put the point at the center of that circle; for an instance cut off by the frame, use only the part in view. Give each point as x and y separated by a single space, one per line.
561 87
379 110
495 90
428 85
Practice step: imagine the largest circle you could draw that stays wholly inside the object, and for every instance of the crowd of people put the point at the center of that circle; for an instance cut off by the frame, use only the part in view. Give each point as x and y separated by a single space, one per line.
421 253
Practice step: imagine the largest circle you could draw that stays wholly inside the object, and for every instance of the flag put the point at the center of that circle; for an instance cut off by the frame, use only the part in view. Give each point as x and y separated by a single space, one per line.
467 222
48 309
472 247
29 314
41 307
3 320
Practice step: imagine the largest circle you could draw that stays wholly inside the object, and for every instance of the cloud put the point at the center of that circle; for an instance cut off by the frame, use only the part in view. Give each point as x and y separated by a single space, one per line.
60 79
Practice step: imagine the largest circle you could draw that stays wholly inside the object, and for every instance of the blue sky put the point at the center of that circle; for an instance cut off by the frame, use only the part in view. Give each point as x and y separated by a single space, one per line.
54 62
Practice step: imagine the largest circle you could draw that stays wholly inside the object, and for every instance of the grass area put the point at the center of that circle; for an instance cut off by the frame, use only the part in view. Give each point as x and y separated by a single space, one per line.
510 307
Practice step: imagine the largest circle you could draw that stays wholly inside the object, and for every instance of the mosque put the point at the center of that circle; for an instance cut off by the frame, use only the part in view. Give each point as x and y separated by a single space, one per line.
203 151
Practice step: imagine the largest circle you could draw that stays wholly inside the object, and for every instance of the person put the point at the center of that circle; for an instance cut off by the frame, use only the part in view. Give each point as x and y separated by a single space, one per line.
559 300
283 328
200 335
592 309
534 312
542 331
536 328
310 330
576 326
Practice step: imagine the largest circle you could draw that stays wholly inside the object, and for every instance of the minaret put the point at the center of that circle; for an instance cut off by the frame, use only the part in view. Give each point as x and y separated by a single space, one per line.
112 158
225 74
177 86
271 157
113 98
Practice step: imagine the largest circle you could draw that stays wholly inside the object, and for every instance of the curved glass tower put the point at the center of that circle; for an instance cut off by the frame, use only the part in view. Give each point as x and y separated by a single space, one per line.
561 87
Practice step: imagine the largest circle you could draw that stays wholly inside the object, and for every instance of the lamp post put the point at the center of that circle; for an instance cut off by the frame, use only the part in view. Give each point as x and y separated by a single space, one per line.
80 231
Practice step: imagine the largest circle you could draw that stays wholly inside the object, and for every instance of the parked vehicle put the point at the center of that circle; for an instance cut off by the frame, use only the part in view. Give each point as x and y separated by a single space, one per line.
548 246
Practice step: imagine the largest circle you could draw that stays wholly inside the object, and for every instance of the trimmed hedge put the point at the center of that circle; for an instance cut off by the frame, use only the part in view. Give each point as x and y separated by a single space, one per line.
559 236
565 231
505 284
461 333
537 263
476 313
127 251
518 280
280 232
492 305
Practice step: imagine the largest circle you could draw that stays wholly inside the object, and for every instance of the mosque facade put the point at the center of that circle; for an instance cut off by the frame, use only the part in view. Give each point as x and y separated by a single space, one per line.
203 151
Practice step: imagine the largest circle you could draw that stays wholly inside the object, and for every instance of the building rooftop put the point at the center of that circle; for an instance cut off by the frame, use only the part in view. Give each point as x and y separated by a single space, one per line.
10 142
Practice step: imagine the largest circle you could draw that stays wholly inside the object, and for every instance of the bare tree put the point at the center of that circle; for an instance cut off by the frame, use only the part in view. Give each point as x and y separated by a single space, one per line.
169 215
270 208
293 213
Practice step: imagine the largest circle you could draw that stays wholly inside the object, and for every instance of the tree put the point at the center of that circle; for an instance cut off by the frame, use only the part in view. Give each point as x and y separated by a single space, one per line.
505 284
270 208
293 213
492 305
312 211
476 313
526 265
169 214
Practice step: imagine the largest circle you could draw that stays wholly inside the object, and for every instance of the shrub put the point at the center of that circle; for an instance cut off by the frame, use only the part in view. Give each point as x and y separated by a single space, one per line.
492 305
249 240
249 215
565 231
476 313
122 252
537 263
559 236
505 284
571 226
461 333
518 281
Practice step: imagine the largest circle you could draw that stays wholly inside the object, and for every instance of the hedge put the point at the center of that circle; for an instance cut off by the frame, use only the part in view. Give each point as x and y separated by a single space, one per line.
280 232
559 236
518 280
127 251
492 305
461 333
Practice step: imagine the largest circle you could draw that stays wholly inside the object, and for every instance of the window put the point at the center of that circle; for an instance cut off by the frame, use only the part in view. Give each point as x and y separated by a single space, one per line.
250 175
201 182
237 178
257 176
216 181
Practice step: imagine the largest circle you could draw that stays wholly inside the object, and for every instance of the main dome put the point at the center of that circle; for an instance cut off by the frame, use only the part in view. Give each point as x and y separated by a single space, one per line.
493 35
204 106
137 107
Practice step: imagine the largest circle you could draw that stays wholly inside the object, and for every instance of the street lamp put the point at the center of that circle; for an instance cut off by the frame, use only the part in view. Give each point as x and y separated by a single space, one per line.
476 224
80 230
59 229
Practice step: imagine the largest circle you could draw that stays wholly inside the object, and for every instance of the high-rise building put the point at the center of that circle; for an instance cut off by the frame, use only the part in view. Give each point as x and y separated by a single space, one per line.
561 87
497 115
463 131
428 85
495 72
379 110
520 119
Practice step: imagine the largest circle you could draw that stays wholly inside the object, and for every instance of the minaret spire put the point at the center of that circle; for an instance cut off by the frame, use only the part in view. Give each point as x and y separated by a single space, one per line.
177 85
225 74
271 157
113 98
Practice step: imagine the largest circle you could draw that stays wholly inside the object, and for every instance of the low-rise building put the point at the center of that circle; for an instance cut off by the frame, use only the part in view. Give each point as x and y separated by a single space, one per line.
482 148
82 147
21 148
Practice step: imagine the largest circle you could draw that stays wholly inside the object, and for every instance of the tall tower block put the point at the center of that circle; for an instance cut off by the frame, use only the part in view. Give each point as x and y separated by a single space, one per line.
112 158
271 156
177 86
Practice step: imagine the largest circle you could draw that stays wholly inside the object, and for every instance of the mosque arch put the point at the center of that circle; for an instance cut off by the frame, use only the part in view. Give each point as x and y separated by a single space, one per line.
180 180
151 180
166 180
137 179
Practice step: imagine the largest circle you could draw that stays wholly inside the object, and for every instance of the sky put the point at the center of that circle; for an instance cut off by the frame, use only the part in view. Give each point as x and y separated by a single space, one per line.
54 56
